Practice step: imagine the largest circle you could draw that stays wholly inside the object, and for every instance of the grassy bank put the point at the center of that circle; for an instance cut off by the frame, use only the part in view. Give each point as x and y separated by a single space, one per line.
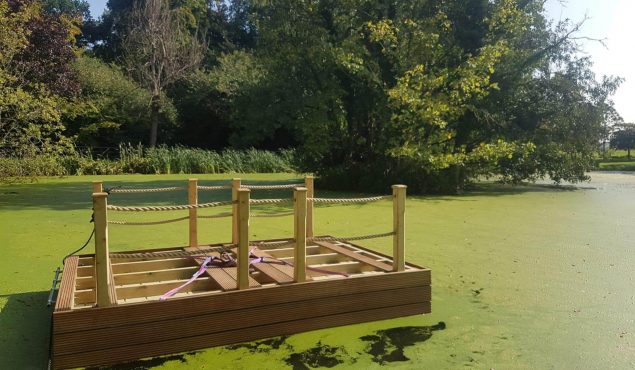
160 160
526 277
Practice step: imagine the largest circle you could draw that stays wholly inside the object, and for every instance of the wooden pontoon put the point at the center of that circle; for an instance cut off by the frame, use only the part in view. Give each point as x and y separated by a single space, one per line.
111 307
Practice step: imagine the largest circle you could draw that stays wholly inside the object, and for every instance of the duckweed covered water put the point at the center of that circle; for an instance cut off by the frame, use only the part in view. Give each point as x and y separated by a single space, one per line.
532 277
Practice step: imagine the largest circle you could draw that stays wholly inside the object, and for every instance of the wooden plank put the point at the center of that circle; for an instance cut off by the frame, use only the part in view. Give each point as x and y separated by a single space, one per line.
113 355
84 297
149 265
299 234
231 320
356 256
399 227
85 282
280 273
235 187
154 275
310 193
288 252
65 294
160 288
225 277
243 238
320 258
85 271
102 256
192 198
69 321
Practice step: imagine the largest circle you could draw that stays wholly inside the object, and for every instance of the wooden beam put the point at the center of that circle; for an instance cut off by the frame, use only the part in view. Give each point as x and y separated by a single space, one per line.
243 238
399 227
356 256
235 187
158 264
310 193
102 257
299 254
192 199
66 292
98 187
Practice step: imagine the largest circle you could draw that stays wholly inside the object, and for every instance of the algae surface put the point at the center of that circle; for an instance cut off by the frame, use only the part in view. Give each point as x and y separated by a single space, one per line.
523 277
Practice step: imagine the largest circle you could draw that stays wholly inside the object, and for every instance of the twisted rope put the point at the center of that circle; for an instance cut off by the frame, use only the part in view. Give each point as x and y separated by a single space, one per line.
349 200
269 201
167 208
169 254
271 187
149 190
218 187
144 223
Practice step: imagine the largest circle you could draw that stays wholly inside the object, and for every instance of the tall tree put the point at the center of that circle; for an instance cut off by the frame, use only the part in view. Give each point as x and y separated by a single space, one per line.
624 137
158 51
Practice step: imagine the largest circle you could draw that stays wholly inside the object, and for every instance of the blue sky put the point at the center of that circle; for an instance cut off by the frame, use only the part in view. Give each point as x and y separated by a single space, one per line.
609 19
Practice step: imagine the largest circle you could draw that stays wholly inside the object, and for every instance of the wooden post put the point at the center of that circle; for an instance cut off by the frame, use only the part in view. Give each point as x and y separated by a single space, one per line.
399 227
310 193
98 187
235 187
243 238
192 198
102 256
300 234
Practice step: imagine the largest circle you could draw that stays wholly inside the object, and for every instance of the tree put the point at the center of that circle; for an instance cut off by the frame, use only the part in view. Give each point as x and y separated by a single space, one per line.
35 79
157 52
624 137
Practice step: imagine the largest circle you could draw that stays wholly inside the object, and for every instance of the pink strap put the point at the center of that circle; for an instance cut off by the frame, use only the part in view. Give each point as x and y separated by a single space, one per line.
198 273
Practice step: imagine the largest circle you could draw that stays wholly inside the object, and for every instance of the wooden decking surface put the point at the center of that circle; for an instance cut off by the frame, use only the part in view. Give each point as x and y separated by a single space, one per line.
212 312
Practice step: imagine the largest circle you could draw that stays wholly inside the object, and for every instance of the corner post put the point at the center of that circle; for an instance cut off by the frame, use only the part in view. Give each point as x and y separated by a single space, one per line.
399 227
98 187
102 256
235 186
300 234
192 199
310 192
243 238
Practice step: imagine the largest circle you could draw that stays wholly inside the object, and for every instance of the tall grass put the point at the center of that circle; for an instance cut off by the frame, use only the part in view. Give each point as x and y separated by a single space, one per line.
158 160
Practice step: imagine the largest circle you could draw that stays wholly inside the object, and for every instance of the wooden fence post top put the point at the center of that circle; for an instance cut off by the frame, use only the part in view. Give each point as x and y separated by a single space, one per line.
301 188
243 190
399 186
100 195
192 180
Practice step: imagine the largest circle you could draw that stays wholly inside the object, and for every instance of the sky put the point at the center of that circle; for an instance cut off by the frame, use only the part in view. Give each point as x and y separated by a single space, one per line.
610 20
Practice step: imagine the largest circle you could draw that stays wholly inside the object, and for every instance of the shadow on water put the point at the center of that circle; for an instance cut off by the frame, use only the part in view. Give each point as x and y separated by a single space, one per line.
25 324
388 345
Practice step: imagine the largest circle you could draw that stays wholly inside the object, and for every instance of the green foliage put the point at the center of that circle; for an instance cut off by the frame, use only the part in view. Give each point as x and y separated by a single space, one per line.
112 108
624 137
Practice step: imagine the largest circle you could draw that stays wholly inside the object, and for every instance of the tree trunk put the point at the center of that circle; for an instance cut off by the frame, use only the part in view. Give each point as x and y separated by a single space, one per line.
154 119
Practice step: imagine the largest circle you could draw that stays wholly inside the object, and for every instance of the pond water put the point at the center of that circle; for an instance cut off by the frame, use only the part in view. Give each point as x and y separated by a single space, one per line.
530 277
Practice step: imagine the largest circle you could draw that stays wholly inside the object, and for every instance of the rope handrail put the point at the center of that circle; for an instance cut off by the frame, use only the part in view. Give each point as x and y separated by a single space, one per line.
271 187
213 187
349 200
111 207
146 223
220 215
145 190
265 215
203 250
269 201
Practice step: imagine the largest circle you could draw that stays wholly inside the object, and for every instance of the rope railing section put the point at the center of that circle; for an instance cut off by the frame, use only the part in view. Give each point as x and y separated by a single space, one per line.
171 254
213 187
146 223
269 201
220 215
111 207
349 200
204 250
271 187
145 190
271 215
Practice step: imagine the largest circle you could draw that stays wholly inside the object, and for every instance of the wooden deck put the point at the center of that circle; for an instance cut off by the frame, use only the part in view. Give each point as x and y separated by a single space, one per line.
346 284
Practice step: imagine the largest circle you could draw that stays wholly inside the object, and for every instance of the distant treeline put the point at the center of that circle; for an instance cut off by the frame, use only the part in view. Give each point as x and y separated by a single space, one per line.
431 93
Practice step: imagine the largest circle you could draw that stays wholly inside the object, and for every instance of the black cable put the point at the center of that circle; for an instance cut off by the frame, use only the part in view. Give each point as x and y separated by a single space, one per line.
83 246
92 219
